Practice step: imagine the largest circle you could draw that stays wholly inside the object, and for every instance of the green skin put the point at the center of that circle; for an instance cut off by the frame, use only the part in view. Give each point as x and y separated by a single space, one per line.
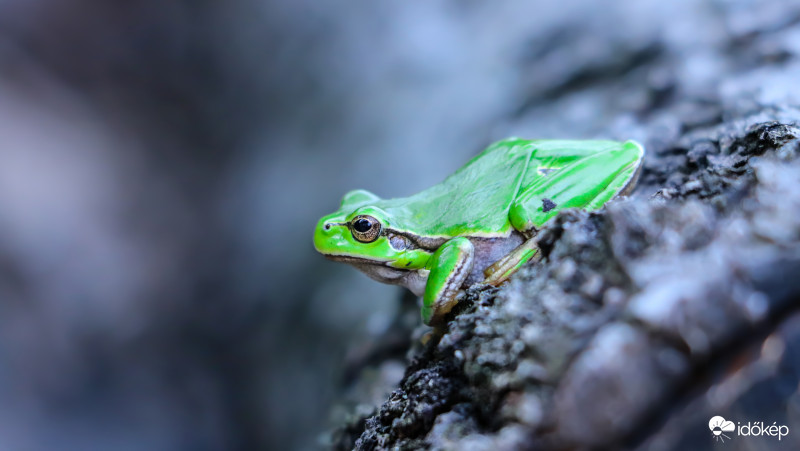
479 224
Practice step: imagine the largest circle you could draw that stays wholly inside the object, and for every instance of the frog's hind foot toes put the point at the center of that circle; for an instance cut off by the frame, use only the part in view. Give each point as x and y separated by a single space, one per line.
502 269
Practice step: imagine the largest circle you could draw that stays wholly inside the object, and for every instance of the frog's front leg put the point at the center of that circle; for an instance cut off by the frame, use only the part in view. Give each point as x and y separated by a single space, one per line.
449 267
586 183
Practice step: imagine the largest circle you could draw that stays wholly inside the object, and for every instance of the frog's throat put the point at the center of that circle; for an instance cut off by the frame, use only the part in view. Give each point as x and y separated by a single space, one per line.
413 279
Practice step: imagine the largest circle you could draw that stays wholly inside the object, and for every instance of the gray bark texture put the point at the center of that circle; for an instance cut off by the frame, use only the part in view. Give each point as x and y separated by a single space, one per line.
644 320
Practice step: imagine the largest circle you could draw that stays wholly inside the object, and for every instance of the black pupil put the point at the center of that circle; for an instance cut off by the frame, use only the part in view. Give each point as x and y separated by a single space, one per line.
362 225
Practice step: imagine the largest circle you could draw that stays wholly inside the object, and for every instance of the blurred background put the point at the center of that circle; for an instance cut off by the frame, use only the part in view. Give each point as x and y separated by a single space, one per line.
163 164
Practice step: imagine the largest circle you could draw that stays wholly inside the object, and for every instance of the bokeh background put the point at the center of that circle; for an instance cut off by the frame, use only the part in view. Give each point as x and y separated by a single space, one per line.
162 166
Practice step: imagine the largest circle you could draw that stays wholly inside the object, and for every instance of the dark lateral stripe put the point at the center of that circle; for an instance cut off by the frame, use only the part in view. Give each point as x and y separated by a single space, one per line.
430 244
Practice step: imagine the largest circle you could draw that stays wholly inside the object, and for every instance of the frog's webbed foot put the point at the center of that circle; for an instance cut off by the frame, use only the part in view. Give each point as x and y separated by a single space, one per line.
502 269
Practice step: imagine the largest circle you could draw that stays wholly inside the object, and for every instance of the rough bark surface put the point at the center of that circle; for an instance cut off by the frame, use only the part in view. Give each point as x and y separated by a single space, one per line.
643 320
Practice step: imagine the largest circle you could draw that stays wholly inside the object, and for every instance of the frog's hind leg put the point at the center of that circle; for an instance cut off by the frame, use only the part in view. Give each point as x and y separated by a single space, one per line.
502 269
586 183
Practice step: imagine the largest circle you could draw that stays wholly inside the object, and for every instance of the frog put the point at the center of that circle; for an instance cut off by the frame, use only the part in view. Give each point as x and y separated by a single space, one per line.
480 225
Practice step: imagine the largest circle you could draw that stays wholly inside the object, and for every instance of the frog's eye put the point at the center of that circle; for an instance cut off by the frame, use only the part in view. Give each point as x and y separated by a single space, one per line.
365 228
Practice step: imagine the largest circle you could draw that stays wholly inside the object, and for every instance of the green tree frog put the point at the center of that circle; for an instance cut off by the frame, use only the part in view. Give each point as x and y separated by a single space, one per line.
479 224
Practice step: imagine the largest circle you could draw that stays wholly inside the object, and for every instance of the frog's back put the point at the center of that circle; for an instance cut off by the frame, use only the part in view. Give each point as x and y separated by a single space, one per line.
473 201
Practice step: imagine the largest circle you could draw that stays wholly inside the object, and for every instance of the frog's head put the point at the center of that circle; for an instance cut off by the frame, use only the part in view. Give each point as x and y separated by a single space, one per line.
361 233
